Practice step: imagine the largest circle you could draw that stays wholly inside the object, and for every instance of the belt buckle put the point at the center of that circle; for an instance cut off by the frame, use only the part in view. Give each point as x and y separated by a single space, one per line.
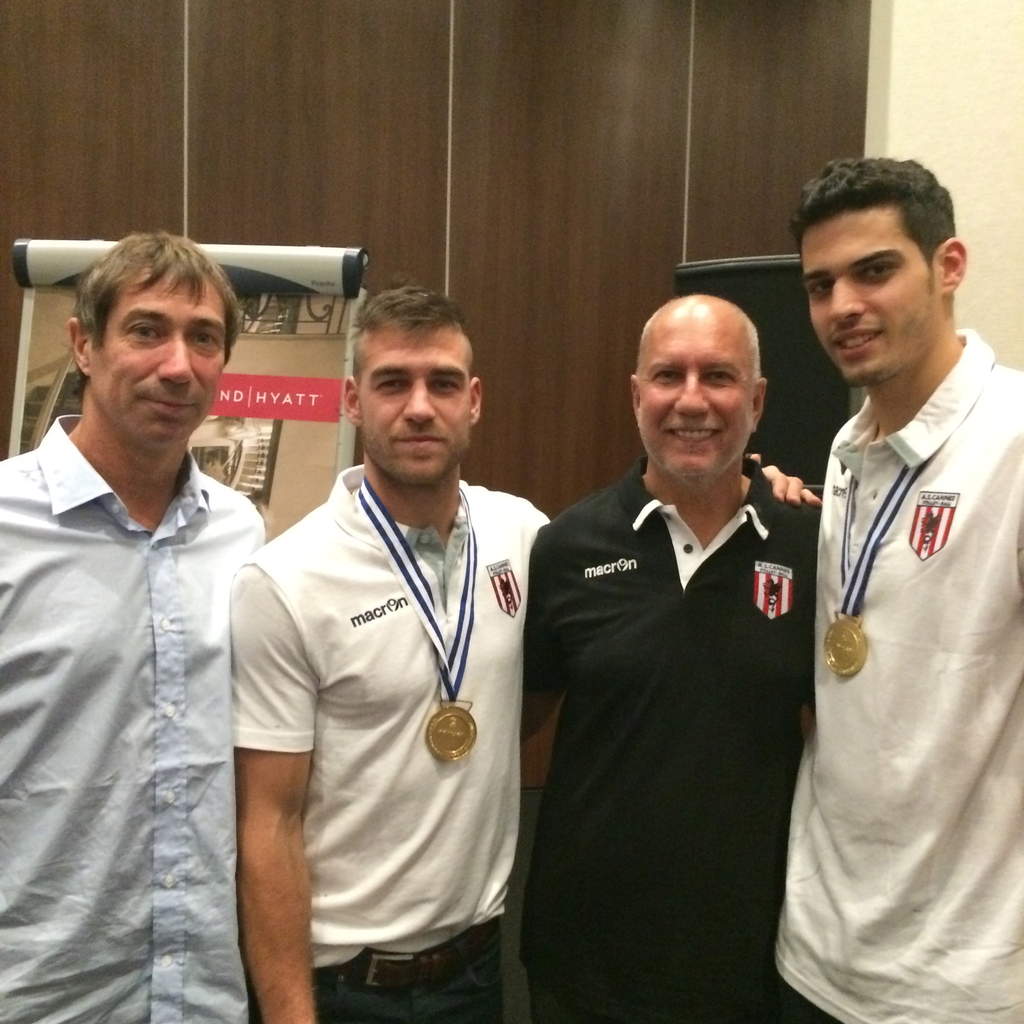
376 959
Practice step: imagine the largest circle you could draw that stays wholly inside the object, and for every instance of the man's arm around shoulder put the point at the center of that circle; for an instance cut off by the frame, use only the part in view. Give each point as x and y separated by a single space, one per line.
273 883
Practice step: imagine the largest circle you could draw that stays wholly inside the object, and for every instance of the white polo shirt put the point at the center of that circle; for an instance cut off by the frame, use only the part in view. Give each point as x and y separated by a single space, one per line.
404 850
905 888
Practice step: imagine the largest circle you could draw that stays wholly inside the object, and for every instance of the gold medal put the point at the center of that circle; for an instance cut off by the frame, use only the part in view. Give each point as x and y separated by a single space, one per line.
451 732
846 646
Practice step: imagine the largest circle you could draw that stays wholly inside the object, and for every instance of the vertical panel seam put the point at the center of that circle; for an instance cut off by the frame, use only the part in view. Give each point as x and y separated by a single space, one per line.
184 122
448 155
689 129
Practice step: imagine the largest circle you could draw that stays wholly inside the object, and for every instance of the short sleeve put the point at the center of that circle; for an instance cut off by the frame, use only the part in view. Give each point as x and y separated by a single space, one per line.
541 654
275 686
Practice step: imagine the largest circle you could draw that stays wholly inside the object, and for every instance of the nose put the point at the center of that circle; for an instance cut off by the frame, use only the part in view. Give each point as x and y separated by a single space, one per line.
690 398
847 304
176 364
418 406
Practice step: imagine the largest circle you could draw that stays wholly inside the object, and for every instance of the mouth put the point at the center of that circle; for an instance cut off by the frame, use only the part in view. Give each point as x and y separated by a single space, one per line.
853 341
171 406
692 433
420 440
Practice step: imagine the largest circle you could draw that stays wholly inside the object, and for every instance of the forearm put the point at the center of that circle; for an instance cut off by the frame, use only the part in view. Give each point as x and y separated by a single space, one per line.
274 907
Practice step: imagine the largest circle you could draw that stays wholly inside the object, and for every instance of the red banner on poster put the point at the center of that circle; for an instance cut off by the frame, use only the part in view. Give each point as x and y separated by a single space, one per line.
278 398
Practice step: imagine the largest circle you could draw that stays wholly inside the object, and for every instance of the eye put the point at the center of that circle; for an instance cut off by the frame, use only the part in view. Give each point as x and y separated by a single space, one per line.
877 271
144 329
209 341
818 288
719 377
665 376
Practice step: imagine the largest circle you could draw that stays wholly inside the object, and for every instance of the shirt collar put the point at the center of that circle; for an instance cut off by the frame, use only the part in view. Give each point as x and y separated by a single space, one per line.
70 477
936 420
344 504
757 508
72 481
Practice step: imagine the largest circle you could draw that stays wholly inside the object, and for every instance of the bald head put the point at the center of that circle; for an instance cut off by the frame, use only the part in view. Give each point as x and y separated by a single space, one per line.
697 395
705 313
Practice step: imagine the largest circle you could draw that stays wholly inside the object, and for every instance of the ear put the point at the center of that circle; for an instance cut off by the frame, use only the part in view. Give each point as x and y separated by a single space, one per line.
81 345
760 385
634 390
476 395
949 265
350 401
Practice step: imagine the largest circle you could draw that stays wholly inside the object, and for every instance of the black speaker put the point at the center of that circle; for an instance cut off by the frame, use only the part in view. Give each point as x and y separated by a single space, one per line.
807 401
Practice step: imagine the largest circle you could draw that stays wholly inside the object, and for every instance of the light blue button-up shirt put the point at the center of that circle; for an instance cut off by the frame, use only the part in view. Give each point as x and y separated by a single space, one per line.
117 851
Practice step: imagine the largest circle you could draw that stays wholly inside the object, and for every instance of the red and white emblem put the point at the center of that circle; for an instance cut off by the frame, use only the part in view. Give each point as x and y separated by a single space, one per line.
933 519
773 588
506 587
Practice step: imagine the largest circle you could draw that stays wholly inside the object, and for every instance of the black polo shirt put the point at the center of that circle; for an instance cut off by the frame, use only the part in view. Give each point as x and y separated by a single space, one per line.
659 863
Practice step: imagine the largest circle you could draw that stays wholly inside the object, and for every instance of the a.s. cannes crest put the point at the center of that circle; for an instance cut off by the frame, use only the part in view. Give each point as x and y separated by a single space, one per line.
933 519
773 588
506 586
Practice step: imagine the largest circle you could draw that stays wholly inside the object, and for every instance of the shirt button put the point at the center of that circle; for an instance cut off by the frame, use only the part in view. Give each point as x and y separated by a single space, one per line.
167 960
170 710
168 881
165 624
169 797
688 548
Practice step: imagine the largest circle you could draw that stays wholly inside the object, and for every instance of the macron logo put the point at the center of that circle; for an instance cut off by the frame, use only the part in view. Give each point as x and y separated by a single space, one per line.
622 565
380 611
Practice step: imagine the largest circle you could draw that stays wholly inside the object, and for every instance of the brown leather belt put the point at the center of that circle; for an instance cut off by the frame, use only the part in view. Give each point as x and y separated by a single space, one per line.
434 966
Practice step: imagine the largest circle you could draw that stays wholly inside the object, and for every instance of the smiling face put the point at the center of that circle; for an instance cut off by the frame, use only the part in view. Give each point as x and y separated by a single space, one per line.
415 402
882 312
696 394
153 376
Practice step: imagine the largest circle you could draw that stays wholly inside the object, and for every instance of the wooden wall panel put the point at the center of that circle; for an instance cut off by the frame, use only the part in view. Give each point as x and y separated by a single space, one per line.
90 105
568 161
322 123
778 88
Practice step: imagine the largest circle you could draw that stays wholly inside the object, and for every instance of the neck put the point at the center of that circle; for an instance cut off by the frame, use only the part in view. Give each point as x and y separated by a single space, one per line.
419 505
898 400
704 505
143 481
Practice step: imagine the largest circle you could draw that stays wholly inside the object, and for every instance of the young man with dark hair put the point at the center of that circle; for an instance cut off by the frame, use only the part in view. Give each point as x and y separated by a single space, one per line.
378 659
116 785
906 865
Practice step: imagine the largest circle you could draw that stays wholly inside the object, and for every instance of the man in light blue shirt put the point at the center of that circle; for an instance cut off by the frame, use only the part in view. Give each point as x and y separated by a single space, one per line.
117 846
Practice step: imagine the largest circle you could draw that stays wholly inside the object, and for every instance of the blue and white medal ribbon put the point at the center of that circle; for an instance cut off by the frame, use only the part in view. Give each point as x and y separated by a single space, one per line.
846 645
451 731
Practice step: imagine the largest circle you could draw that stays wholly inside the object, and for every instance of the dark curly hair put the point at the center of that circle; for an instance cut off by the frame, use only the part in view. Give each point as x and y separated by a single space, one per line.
861 183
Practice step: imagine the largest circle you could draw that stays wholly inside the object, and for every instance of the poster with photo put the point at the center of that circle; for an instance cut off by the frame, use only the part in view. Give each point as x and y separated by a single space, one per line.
275 431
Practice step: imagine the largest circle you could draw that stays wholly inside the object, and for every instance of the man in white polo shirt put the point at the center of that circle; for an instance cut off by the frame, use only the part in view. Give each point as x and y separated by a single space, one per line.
378 648
906 869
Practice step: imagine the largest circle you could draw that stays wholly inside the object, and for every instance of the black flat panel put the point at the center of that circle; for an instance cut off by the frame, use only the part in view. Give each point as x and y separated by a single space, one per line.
807 400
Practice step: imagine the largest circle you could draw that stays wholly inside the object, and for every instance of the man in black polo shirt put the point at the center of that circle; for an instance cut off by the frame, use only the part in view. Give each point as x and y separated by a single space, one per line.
675 611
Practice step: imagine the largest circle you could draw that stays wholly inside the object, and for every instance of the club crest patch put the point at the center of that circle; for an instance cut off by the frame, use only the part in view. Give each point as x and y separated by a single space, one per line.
506 587
933 519
773 588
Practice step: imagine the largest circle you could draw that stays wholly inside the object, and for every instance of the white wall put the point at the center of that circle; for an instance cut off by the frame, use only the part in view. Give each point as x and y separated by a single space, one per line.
946 87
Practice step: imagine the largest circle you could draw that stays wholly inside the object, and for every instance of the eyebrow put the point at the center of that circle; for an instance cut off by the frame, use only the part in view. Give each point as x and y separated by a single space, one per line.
404 371
817 275
137 312
715 367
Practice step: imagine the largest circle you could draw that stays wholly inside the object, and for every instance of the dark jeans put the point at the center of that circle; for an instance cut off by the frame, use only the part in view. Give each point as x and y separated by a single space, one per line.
472 997
798 1010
